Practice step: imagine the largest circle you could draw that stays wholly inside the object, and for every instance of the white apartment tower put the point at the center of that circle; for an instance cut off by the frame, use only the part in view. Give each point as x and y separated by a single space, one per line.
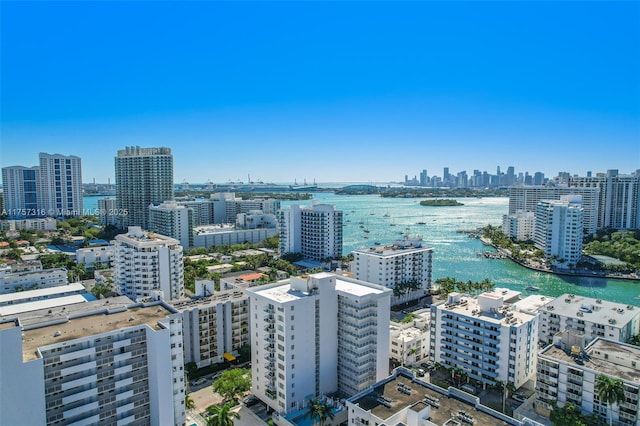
619 198
559 229
60 191
103 362
520 225
20 191
588 317
148 265
404 266
314 231
315 335
526 197
172 220
485 338
144 176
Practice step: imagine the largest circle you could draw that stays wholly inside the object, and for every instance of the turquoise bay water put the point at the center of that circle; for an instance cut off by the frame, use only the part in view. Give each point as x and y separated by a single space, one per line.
455 254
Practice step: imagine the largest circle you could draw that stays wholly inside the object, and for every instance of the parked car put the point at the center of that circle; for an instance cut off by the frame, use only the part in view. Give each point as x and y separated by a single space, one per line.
518 397
250 400
421 372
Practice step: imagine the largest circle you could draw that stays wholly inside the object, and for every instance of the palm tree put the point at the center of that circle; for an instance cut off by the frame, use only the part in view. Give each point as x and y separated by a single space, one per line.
319 411
188 402
611 391
221 415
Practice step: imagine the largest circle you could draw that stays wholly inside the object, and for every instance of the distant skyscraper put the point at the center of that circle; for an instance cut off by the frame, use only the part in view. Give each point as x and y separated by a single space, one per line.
619 205
144 176
54 188
20 186
445 175
424 177
60 191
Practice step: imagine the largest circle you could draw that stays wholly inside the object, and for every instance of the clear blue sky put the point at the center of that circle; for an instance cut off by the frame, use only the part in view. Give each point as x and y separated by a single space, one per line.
336 91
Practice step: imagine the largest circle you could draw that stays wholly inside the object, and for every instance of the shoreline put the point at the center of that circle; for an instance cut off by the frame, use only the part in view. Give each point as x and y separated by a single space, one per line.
507 255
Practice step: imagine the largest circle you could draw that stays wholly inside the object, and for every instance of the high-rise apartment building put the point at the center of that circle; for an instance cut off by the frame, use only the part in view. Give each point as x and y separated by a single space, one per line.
315 335
20 191
315 232
144 176
60 189
485 337
619 199
404 266
172 220
102 362
148 265
559 229
525 198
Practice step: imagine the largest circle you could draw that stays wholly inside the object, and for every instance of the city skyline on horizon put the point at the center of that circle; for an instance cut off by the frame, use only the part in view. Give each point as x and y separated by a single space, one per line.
391 89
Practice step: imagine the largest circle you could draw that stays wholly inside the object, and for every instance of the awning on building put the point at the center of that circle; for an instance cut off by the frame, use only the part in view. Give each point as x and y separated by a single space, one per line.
228 357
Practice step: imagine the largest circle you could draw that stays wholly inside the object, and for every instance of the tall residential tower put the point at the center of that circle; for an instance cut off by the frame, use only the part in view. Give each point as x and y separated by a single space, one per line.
144 176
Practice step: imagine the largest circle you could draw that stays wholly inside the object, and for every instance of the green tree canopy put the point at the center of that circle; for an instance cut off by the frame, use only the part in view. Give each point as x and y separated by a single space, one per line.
233 383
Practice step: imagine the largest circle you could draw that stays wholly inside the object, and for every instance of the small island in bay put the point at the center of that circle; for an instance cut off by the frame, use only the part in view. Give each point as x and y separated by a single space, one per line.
440 202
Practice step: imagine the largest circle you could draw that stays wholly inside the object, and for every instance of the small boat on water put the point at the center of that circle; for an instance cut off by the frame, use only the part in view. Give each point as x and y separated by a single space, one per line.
532 288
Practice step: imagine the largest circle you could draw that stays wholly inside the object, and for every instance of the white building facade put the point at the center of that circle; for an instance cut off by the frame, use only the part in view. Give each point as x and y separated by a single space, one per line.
619 199
172 220
60 191
589 317
94 365
404 266
20 192
559 229
94 256
148 265
315 335
214 326
315 232
520 226
485 338
526 197
11 281
564 377
108 213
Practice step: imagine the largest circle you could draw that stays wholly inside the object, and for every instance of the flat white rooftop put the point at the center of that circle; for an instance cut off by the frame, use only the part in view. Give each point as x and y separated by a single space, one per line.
41 292
593 310
356 289
532 304
41 304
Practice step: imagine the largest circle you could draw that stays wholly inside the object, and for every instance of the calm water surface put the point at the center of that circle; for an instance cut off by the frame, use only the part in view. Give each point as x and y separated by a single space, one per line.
455 254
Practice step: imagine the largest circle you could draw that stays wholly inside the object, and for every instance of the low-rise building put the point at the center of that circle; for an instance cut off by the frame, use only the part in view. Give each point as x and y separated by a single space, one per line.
215 327
220 235
569 375
13 278
403 399
19 297
95 256
589 317
38 224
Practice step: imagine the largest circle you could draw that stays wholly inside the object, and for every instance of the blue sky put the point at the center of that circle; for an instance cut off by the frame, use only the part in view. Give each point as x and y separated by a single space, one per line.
332 91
